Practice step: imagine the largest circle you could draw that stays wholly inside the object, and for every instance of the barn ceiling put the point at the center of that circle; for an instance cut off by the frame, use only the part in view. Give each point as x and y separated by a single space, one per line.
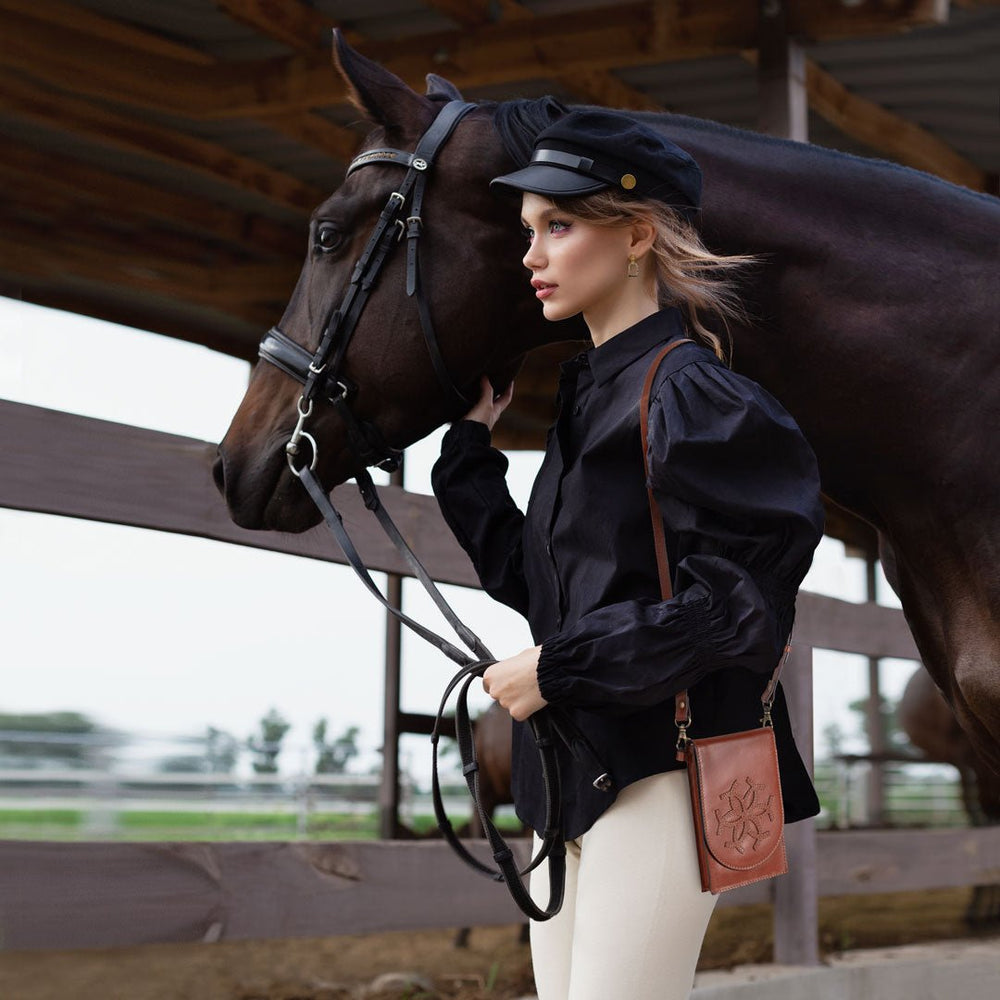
159 160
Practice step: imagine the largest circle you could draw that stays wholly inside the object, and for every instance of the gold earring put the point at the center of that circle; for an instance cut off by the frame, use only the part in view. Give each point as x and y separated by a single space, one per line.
633 266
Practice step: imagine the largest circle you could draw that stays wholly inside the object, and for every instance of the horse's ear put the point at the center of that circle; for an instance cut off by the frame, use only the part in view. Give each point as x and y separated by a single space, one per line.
438 86
381 95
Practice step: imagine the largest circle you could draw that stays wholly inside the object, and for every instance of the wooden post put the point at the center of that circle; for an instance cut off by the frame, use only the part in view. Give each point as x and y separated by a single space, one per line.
388 797
784 112
876 724
796 895
781 76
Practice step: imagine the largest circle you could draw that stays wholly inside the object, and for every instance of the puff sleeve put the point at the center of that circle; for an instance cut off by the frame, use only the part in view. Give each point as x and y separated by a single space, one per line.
469 482
738 487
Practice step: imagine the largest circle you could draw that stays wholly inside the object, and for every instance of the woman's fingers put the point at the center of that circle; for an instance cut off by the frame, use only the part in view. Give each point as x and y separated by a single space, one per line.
489 405
514 684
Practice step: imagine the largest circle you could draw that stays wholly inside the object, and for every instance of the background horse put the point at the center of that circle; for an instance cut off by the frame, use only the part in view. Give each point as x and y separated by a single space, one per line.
931 727
875 323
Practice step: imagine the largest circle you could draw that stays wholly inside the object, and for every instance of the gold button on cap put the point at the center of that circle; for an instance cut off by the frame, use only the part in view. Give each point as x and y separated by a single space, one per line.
628 181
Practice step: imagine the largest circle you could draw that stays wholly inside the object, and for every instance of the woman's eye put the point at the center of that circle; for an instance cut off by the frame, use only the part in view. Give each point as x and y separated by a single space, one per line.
555 226
529 234
327 237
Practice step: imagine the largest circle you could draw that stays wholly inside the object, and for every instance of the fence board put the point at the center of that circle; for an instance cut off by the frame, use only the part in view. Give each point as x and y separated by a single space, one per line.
79 895
869 629
62 463
103 895
863 861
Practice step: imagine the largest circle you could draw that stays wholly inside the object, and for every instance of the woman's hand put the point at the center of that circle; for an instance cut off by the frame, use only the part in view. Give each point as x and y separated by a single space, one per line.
514 683
490 406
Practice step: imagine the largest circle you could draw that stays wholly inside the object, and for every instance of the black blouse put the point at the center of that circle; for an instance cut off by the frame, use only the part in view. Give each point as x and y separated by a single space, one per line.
738 488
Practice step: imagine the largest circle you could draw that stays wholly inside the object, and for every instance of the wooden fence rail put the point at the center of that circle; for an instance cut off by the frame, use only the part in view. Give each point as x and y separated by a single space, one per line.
96 895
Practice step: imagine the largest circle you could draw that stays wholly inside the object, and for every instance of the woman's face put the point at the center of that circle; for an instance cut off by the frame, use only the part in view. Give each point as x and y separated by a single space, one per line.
575 266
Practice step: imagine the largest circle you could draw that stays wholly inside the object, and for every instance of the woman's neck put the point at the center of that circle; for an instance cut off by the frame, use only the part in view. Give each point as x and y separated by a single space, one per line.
607 323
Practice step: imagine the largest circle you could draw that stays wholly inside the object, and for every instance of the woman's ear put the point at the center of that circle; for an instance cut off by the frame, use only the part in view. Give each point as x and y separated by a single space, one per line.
643 237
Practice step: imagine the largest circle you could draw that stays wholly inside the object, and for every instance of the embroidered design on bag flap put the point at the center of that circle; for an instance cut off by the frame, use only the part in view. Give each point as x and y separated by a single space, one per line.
745 816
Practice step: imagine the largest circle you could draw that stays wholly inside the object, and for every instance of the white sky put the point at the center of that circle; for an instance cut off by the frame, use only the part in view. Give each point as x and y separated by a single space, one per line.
165 634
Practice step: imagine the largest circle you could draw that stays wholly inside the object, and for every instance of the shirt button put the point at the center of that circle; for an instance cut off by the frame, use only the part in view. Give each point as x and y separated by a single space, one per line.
577 410
548 548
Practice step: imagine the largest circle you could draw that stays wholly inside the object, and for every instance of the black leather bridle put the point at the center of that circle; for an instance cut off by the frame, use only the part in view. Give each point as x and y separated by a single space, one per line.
321 374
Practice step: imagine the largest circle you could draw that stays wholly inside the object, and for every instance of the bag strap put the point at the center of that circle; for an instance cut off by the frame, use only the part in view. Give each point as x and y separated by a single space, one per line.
682 703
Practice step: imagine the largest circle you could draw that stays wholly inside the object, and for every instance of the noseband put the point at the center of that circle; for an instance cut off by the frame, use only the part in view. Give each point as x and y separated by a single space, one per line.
321 373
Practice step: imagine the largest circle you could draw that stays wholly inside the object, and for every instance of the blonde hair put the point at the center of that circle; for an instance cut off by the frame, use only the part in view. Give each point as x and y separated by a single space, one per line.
688 274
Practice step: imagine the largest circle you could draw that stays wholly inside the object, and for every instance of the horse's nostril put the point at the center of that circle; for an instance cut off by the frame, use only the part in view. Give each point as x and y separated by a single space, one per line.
219 473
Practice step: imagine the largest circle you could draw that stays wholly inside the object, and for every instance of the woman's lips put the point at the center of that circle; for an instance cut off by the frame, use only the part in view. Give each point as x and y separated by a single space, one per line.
542 289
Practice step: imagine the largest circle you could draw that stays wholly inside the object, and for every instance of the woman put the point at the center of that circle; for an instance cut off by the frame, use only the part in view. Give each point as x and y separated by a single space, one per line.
607 206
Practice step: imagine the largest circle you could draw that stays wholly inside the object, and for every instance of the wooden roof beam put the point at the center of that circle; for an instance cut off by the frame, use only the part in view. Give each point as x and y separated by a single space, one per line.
594 87
31 211
291 22
90 61
21 97
91 185
885 131
473 13
34 251
303 28
59 15
599 39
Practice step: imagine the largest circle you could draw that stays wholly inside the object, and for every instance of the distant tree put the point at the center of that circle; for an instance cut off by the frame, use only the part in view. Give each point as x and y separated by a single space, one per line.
218 757
221 751
333 757
267 745
63 738
833 738
895 738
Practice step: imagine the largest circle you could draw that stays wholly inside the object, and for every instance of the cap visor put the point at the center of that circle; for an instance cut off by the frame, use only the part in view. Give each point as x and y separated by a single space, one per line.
540 178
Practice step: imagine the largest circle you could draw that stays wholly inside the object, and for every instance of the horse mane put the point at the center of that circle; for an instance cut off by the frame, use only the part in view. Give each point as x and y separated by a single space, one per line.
519 122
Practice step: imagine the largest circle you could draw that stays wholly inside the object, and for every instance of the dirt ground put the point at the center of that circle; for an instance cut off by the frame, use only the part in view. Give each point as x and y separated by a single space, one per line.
494 966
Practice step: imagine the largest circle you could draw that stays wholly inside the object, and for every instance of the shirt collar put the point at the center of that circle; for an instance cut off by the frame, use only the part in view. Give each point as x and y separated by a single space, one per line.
631 344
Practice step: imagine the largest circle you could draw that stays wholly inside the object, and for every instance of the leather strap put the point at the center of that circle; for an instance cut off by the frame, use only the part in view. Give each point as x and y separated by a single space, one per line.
543 724
682 703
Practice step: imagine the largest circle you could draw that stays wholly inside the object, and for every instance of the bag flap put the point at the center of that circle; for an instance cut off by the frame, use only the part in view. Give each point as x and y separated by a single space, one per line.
740 794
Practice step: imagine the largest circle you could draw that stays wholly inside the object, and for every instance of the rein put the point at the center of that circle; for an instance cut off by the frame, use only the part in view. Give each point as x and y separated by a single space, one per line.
321 376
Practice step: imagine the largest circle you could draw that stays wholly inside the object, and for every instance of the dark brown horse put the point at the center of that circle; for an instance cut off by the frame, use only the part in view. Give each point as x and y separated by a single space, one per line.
875 308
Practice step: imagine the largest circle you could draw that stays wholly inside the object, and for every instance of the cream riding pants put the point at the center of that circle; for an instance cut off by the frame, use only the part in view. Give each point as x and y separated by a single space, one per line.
634 916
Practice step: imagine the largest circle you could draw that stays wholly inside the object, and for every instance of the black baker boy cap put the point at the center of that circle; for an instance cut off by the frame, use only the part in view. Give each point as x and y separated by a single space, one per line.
591 150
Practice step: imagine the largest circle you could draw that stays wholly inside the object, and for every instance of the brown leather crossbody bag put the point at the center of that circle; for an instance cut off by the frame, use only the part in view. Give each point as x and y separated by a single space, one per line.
734 782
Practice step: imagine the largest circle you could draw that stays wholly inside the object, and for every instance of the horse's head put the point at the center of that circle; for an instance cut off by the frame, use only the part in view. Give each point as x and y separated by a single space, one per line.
470 278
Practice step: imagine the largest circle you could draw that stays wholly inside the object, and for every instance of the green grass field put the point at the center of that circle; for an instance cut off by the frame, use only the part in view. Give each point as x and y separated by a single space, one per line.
157 825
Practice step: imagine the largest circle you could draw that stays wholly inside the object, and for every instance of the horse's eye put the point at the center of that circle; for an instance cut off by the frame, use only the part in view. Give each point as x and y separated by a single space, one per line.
327 237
